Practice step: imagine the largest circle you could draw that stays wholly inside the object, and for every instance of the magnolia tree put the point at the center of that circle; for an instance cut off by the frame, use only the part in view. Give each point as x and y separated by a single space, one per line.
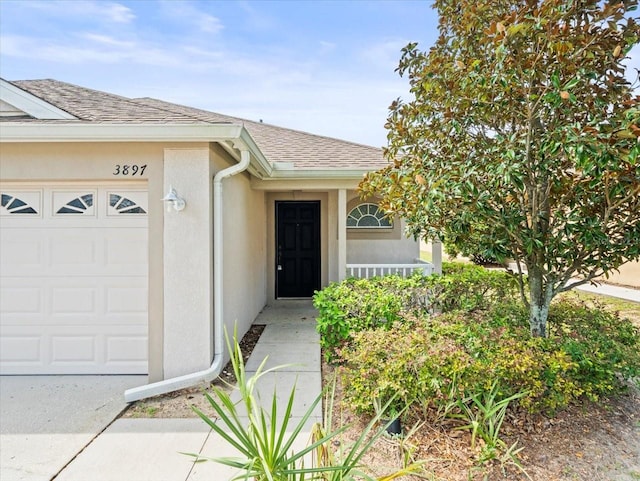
522 140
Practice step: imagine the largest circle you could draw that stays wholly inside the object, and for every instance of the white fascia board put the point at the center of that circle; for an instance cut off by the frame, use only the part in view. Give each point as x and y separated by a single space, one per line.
304 174
69 132
311 179
258 161
30 104
259 165
315 185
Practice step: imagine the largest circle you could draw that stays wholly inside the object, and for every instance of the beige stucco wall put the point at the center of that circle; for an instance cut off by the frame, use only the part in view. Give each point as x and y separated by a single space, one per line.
244 245
188 260
379 246
629 275
188 237
375 250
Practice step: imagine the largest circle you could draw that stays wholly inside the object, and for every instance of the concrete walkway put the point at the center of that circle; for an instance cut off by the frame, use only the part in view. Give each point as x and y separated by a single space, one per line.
601 288
626 293
149 449
46 420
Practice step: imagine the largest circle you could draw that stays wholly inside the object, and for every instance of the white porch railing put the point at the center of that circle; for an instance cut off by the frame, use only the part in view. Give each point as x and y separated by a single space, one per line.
365 271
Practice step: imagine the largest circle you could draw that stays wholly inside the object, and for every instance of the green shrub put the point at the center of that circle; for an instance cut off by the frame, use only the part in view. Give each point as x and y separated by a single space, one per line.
469 287
360 304
427 361
605 348
404 362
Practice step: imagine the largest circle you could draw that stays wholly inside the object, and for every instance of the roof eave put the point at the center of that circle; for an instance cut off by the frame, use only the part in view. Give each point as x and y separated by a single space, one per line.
310 174
236 135
116 132
261 167
30 104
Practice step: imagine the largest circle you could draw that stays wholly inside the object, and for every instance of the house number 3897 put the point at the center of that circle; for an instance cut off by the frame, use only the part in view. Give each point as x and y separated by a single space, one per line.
129 170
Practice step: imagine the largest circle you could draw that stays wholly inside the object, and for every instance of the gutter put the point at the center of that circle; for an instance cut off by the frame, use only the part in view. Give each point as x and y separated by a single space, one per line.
207 375
303 174
79 131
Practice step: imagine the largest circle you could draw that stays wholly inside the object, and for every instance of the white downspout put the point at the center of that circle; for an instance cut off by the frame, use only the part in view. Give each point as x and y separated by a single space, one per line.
207 375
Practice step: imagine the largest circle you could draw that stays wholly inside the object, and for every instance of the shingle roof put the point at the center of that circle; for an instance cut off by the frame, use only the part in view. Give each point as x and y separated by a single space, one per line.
278 144
96 106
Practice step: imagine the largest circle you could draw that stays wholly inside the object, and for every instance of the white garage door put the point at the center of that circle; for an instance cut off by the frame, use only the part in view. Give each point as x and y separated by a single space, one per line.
73 279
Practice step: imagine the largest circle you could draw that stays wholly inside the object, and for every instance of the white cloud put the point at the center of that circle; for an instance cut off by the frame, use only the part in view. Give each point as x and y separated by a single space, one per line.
188 13
95 10
96 49
107 40
72 53
257 20
326 47
209 23
114 11
385 54
213 55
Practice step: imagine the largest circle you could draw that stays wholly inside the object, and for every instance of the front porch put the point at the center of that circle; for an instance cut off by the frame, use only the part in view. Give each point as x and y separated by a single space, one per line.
366 271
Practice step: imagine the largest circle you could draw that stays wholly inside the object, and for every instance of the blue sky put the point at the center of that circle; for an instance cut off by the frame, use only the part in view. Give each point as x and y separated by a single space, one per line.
321 67
325 67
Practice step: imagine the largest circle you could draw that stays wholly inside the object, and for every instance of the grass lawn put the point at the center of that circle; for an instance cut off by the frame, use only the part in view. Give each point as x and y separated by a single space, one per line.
426 256
628 309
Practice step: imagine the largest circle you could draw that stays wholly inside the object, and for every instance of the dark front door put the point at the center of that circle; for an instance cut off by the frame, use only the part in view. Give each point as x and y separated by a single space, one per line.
297 248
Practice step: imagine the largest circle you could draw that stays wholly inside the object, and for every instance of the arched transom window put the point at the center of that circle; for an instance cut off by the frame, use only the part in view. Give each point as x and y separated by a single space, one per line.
368 216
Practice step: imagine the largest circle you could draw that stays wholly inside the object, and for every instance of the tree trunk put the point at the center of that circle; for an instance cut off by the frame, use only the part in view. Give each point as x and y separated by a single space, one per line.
540 296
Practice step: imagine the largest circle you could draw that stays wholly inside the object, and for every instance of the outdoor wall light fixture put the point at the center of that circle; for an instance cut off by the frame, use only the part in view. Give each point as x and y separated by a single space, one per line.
174 201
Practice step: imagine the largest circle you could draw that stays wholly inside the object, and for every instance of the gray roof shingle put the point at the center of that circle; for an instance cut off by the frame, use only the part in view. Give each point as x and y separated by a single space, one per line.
278 144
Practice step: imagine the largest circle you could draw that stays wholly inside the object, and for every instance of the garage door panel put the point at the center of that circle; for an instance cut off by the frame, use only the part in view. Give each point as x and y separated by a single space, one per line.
126 300
69 249
74 300
19 349
84 350
74 288
129 251
75 349
126 349
61 252
19 253
21 301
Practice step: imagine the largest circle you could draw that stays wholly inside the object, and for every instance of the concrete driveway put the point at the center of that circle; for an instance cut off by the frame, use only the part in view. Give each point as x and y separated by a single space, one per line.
45 421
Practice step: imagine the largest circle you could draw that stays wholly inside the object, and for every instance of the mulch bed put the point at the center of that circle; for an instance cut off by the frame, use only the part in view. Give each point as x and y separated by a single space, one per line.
248 342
